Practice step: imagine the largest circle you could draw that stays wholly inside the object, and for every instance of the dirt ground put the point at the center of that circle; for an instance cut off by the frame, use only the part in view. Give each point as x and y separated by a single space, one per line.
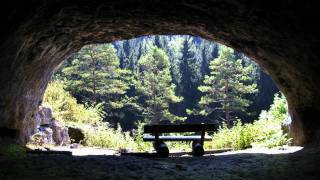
248 164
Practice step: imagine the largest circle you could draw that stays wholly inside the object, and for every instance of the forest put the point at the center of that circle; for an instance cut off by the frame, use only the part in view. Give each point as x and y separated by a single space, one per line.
111 90
115 68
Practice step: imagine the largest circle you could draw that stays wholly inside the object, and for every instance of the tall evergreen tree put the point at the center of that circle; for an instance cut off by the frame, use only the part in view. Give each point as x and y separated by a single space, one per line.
225 87
155 85
94 72
188 70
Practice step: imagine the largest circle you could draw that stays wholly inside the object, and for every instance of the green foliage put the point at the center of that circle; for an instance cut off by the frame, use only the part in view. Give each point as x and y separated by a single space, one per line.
265 132
104 136
141 145
88 118
237 137
154 79
225 87
94 74
110 68
66 109
155 86
189 58
268 127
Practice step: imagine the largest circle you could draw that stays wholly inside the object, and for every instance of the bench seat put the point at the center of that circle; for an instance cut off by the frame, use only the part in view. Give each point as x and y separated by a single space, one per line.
177 138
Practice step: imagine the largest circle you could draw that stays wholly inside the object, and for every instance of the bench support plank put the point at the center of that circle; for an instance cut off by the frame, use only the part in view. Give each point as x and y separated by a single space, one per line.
176 138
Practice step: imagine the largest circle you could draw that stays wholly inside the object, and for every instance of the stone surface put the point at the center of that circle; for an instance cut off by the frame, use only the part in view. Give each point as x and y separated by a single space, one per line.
60 133
44 135
45 115
47 128
281 36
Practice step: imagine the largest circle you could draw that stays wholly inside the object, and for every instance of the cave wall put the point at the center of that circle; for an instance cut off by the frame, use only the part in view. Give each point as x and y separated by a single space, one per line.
281 36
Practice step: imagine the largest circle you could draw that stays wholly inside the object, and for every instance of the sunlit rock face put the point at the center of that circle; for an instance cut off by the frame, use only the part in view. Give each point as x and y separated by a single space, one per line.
38 35
46 128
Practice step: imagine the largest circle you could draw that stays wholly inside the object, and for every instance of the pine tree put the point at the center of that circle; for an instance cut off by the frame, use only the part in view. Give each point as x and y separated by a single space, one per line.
225 87
189 78
94 72
155 85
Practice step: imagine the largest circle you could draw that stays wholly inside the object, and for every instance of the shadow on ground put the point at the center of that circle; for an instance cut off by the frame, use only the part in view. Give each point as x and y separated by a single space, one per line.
304 164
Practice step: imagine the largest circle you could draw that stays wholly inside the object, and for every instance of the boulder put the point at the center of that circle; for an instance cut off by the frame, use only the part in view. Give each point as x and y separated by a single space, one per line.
45 135
60 133
46 130
45 114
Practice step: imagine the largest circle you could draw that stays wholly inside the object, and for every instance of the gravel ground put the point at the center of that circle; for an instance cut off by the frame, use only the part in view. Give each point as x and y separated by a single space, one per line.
247 164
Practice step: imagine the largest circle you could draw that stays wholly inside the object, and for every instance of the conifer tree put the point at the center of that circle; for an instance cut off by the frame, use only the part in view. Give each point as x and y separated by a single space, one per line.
94 72
225 87
155 85
189 79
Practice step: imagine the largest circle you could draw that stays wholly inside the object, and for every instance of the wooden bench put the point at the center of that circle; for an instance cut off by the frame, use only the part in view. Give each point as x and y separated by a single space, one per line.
198 140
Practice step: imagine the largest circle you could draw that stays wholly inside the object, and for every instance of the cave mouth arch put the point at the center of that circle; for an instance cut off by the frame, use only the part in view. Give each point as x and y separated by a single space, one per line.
176 47
41 34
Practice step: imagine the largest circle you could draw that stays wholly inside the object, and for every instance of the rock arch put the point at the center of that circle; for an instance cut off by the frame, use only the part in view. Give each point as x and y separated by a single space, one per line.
280 35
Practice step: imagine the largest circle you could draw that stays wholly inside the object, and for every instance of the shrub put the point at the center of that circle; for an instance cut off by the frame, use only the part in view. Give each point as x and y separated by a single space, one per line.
66 109
103 136
141 145
265 132
88 118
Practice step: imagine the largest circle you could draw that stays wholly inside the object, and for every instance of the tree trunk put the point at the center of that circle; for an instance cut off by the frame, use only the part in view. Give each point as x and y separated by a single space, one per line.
94 97
226 105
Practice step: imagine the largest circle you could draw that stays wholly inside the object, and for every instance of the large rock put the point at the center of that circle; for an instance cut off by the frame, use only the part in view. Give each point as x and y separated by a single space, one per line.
60 133
45 115
42 117
49 130
44 135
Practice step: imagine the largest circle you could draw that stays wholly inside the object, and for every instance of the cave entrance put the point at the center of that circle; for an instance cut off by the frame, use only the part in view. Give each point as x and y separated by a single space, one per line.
40 35
280 36
104 93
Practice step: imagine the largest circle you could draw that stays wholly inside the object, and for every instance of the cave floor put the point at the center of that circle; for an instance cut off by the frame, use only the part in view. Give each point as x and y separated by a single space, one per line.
304 164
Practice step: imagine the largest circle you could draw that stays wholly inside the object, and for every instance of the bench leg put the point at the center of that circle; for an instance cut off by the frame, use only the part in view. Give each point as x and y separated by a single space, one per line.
162 149
198 149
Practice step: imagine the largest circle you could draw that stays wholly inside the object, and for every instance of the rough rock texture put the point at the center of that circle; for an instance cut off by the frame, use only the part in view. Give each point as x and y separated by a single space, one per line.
60 134
282 36
49 130
45 115
44 135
